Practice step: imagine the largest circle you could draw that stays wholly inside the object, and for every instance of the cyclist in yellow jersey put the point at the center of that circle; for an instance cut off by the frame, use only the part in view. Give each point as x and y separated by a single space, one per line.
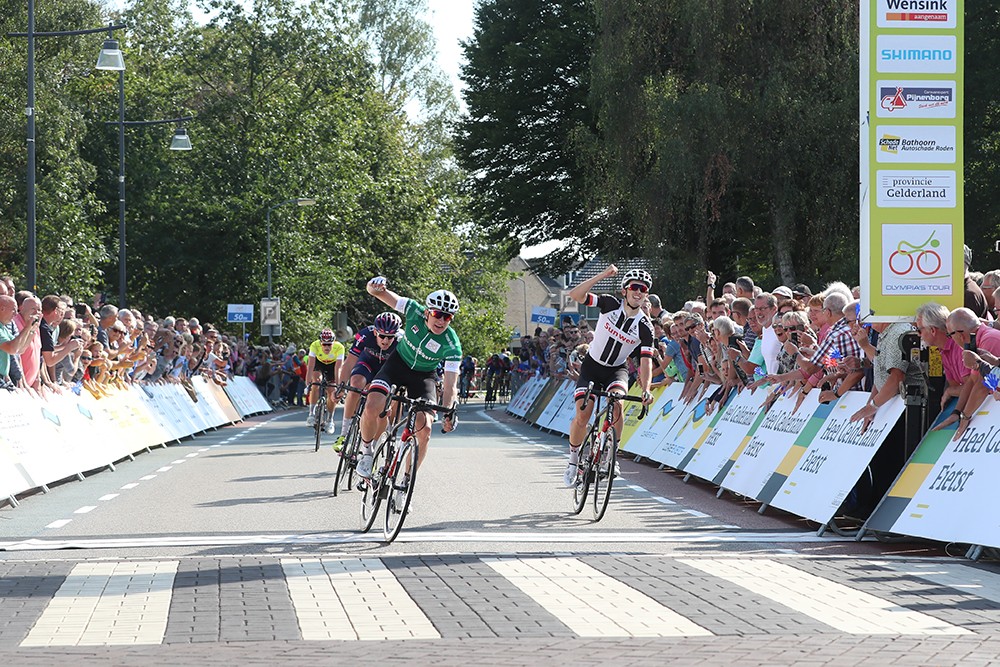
325 357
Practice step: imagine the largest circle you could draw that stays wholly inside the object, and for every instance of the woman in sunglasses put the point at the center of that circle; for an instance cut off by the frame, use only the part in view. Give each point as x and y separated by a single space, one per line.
372 346
427 339
622 328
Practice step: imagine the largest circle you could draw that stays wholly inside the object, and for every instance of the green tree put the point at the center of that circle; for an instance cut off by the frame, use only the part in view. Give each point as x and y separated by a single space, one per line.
527 78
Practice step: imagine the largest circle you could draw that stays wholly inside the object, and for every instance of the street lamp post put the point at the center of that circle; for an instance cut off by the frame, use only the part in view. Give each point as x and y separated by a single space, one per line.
109 59
298 201
524 303
180 142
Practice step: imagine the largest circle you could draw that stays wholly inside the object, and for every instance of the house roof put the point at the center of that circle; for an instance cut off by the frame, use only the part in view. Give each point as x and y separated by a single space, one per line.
592 267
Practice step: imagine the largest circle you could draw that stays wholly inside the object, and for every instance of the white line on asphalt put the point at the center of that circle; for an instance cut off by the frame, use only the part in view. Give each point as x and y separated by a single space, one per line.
116 603
85 509
164 469
108 496
214 446
59 524
700 515
192 455
131 485
839 606
429 537
177 462
203 449
661 499
591 603
352 598
146 478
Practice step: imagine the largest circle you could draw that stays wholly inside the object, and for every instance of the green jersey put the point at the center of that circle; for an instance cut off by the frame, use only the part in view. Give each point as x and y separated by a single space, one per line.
420 348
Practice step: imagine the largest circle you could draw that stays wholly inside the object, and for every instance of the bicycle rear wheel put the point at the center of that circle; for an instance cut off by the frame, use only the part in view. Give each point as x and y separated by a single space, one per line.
400 489
604 475
374 488
583 475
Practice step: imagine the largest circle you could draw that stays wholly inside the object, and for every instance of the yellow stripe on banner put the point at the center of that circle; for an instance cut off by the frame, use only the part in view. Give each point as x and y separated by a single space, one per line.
739 450
792 458
911 479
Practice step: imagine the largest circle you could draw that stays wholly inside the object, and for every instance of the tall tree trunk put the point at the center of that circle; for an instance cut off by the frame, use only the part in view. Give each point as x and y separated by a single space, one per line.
783 239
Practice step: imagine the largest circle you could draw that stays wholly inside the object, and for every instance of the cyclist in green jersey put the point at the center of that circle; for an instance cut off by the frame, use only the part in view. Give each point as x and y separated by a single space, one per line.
426 339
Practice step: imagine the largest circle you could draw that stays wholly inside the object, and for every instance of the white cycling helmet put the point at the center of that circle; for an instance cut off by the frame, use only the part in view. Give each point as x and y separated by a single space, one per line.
442 300
636 276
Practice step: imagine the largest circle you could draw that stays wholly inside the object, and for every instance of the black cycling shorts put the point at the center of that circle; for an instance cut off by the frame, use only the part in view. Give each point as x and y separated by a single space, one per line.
604 377
326 369
395 372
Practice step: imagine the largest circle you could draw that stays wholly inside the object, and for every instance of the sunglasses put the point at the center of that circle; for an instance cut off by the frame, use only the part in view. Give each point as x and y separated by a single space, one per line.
441 315
956 331
638 287
691 327
326 344
86 358
386 336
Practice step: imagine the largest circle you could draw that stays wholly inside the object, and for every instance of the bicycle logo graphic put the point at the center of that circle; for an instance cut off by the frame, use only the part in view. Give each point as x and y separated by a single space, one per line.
927 262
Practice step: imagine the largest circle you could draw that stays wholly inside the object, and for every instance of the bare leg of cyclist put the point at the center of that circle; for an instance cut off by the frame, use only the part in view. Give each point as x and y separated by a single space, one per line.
371 425
313 394
423 436
351 402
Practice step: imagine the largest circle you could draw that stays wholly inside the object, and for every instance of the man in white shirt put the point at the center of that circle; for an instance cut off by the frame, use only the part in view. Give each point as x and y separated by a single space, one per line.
766 306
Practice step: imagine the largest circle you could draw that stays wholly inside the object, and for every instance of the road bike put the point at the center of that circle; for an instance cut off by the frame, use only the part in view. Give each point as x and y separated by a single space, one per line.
464 386
598 452
491 392
352 444
505 387
394 464
322 411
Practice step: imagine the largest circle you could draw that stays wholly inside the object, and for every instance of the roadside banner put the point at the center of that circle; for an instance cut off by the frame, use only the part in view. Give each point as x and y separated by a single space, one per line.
764 447
525 396
947 490
711 454
662 414
563 392
632 427
542 398
692 422
813 480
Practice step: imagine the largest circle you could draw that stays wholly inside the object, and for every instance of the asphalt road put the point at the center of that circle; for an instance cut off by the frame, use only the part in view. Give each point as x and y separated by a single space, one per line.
234 537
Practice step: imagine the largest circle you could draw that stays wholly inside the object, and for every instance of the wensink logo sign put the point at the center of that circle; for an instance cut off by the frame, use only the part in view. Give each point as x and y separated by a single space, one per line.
925 14
917 260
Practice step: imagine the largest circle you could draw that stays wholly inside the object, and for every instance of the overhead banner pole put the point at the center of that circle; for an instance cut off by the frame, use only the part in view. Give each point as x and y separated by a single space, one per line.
912 178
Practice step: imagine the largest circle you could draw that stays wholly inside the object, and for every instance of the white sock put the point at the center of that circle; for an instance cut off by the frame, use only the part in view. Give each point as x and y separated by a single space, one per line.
344 425
574 454
366 447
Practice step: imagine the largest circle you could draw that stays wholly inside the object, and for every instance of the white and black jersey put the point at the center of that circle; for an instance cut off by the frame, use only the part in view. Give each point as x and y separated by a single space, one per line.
618 334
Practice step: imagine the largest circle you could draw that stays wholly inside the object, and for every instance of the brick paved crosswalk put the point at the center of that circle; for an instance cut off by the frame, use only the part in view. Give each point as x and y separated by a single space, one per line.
324 598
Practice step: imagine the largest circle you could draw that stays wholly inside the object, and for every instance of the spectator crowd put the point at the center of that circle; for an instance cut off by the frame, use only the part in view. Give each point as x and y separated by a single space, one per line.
57 343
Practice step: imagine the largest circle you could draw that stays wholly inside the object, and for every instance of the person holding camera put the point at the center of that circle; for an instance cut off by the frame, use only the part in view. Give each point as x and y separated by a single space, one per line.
10 344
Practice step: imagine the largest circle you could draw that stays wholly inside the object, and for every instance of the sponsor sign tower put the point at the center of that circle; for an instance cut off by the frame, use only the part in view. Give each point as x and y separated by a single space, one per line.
912 212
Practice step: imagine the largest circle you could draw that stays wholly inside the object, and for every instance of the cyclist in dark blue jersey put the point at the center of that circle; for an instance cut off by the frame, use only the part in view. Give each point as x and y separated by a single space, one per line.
372 346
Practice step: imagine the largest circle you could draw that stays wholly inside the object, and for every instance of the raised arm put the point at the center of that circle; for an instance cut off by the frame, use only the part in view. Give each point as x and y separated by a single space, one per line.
378 288
579 293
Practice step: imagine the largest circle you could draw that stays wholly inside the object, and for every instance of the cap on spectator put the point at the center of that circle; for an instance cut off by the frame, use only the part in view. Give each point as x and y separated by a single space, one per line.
782 291
801 290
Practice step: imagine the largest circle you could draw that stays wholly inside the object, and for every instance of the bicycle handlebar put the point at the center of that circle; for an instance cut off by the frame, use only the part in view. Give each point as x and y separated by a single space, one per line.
615 396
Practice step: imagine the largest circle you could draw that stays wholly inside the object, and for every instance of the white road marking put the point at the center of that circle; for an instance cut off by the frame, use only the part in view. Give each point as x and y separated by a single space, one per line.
59 523
352 598
146 478
177 462
834 604
591 603
164 469
109 496
109 603
700 515
131 485
85 509
661 499
417 536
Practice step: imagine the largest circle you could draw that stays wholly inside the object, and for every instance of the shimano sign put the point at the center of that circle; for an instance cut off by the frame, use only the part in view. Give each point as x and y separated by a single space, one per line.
911 54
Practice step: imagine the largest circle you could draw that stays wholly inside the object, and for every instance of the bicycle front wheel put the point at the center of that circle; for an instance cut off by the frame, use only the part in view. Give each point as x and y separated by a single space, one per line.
583 475
320 418
604 475
400 487
374 488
